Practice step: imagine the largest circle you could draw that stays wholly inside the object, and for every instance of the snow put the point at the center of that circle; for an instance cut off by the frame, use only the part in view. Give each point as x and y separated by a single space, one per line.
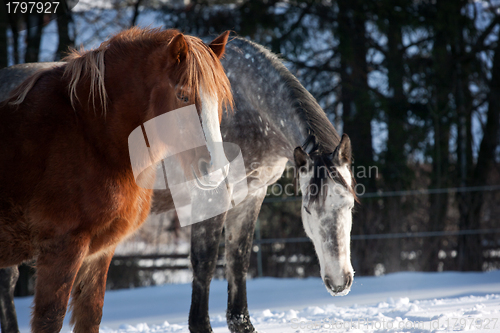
398 302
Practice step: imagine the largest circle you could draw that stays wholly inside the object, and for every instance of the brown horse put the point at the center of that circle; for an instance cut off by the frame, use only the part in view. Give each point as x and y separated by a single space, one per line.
67 190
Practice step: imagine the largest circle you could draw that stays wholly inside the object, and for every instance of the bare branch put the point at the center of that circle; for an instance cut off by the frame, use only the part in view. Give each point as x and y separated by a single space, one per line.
136 13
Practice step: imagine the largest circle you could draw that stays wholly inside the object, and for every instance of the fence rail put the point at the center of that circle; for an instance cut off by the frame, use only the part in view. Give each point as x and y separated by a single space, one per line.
422 234
118 259
380 194
156 264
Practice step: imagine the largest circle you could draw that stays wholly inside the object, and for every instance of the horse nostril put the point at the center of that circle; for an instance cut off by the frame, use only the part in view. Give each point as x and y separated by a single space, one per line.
348 282
329 284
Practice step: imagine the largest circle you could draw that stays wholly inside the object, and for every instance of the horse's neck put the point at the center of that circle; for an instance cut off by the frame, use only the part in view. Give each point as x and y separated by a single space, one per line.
290 124
261 89
279 97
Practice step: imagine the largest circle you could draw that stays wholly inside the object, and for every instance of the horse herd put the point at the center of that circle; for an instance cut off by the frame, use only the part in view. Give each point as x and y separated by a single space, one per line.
68 194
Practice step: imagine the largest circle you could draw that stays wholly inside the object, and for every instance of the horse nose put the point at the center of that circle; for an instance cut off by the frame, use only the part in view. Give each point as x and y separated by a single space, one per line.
345 283
332 287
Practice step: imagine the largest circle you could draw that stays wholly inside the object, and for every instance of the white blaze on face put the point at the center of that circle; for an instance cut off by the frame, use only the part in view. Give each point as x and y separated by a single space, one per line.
346 217
331 223
213 137
346 174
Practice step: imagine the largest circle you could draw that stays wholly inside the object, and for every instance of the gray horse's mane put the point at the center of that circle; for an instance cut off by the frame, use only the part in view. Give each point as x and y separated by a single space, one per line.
322 136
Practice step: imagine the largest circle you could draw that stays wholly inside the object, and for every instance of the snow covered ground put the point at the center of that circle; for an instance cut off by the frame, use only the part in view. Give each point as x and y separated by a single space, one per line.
400 302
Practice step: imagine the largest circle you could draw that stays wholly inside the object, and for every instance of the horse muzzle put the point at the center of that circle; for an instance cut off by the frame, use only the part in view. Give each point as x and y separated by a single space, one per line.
339 285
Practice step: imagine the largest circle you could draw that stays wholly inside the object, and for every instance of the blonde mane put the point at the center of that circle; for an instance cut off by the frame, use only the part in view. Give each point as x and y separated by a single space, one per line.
205 75
203 68
87 63
79 64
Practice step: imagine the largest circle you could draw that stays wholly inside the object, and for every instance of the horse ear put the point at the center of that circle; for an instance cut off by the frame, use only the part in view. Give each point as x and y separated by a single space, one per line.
343 153
301 157
177 49
218 45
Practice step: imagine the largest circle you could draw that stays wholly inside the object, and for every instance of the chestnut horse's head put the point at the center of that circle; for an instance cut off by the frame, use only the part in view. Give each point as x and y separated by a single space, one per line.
197 77
185 71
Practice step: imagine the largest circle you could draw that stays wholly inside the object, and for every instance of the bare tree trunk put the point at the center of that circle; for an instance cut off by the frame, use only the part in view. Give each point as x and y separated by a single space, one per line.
470 257
396 172
65 41
13 23
3 36
357 117
447 27
34 25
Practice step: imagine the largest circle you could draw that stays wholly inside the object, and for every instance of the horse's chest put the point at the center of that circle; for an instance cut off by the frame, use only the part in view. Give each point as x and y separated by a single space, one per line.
128 210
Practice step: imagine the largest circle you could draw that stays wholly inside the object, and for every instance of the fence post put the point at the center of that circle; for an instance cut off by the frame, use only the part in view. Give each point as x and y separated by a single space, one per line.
259 251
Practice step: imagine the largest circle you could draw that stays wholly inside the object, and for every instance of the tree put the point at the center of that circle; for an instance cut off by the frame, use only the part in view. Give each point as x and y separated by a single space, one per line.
3 37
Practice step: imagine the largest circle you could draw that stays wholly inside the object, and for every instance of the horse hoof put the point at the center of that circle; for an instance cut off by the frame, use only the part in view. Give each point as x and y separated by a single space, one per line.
240 324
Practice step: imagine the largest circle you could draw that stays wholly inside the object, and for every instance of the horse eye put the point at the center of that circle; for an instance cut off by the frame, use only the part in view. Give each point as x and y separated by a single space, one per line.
307 210
182 97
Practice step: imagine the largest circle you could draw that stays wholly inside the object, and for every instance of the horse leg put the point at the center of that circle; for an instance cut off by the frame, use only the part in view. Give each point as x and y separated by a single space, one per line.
57 266
8 318
205 238
240 227
88 293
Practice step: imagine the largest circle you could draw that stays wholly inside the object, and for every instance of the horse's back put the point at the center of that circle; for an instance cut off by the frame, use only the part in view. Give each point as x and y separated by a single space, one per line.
13 76
27 127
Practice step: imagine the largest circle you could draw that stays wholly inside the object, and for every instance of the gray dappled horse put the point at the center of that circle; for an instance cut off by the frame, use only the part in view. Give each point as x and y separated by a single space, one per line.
276 120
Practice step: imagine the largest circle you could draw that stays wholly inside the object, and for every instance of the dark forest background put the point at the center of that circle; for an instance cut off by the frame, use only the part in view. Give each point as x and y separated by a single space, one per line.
415 84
